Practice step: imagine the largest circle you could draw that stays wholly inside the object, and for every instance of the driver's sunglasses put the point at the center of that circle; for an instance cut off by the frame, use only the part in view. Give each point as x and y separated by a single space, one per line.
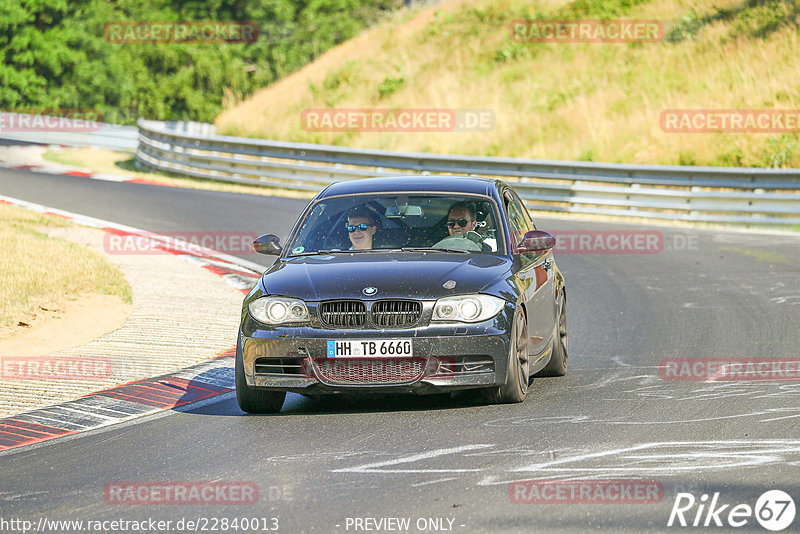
353 227
453 222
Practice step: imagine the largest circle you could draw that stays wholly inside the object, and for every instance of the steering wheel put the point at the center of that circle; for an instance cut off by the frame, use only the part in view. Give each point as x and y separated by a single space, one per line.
460 243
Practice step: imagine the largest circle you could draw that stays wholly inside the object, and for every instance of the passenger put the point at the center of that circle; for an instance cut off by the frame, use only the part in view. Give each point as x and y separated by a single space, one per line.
361 228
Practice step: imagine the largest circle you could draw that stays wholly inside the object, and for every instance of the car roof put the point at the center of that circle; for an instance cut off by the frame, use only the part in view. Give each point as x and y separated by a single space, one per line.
414 183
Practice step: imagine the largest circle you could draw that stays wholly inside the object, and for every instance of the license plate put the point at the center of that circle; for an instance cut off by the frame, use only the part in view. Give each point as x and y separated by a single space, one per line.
369 347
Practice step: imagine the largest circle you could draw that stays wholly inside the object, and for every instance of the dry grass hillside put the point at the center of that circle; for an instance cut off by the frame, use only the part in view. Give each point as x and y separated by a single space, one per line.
575 101
41 272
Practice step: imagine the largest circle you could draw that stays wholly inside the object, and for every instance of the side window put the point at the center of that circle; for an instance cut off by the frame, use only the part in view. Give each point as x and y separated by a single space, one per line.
525 213
517 223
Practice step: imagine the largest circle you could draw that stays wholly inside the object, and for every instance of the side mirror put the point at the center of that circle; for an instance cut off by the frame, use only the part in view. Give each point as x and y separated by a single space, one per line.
535 241
268 244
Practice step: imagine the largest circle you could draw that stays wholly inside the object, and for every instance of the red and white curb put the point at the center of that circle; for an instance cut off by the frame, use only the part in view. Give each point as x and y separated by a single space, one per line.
196 383
57 168
199 382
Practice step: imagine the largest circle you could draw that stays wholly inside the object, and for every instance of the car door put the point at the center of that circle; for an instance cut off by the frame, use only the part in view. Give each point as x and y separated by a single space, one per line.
535 275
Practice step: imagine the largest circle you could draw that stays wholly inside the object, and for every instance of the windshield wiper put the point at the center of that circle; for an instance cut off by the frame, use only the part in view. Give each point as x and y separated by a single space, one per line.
329 251
434 249
403 249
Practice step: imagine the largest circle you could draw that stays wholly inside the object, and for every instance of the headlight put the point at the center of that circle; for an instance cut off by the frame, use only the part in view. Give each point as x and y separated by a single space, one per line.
467 308
278 310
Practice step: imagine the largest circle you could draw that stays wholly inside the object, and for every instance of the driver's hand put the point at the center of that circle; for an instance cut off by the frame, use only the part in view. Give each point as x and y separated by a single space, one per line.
474 236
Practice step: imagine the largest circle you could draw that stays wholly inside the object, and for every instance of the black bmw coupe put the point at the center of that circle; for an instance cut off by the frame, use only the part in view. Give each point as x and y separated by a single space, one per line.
412 284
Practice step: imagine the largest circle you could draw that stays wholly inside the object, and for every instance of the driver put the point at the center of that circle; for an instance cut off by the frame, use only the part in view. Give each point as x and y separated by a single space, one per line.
461 219
361 228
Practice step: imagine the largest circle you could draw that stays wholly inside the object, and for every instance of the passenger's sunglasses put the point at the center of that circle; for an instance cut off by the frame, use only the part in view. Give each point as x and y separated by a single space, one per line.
353 227
453 222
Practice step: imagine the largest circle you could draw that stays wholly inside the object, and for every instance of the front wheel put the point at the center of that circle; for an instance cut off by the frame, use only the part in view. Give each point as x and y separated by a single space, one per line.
254 400
515 388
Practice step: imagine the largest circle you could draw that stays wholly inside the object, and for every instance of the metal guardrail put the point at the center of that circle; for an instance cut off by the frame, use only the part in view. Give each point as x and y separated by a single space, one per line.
712 194
105 135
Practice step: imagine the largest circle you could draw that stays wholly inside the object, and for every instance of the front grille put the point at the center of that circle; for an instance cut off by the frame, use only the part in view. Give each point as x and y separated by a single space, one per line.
343 313
370 371
389 313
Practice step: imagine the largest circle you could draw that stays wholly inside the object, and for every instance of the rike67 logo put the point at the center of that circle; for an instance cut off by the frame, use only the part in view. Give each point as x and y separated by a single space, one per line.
774 510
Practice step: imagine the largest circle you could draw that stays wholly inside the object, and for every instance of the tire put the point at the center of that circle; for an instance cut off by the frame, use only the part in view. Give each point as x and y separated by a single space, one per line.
515 388
557 366
254 400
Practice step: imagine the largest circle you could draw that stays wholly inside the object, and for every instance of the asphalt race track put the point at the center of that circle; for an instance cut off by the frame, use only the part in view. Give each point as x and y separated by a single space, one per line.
349 465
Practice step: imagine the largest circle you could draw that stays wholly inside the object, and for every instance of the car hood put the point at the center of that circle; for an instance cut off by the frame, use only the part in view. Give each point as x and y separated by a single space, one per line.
393 275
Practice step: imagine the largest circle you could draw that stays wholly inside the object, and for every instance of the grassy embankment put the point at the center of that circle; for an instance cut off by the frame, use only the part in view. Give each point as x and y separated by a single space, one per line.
577 101
41 272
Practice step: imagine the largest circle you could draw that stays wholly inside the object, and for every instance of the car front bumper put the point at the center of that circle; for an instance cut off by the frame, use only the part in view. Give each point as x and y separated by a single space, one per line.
445 359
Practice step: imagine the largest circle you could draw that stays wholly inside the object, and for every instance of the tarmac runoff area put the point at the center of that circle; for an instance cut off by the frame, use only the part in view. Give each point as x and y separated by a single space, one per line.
186 310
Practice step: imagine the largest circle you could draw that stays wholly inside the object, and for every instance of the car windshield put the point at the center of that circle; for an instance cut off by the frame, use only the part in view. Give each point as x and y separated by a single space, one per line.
399 222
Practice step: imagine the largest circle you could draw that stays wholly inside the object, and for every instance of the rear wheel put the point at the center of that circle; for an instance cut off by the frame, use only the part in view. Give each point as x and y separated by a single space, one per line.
254 400
557 366
515 388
